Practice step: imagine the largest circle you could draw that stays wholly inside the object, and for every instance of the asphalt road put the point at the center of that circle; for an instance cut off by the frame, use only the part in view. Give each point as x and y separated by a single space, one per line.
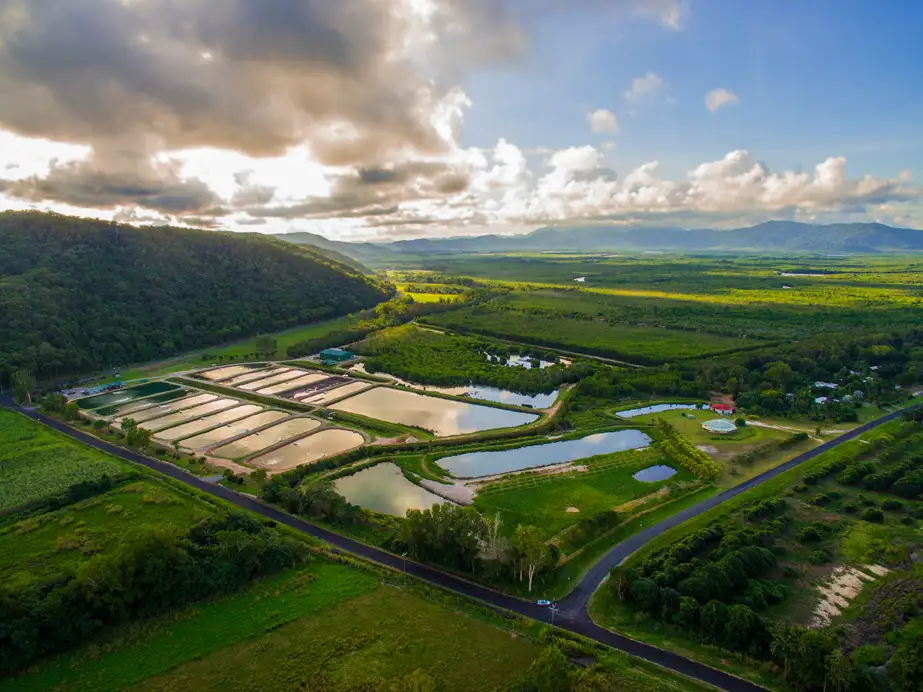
572 610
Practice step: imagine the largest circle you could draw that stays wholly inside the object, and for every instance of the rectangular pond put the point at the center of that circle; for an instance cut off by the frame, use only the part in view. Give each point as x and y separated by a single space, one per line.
251 444
188 414
477 464
309 449
254 375
443 417
654 408
293 384
197 426
123 396
335 393
165 409
139 404
382 488
230 371
289 374
213 437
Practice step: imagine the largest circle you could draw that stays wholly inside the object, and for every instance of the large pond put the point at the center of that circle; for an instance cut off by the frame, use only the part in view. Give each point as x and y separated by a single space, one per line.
165 409
201 424
230 371
213 437
188 414
139 404
309 449
122 396
266 438
293 384
655 408
383 488
476 464
443 417
653 474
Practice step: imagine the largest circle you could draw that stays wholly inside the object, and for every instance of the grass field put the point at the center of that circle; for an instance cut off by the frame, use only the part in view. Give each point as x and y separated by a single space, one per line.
543 500
36 463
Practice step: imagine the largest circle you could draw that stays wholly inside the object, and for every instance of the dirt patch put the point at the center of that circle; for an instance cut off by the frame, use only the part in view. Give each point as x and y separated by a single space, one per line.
708 449
638 502
840 589
571 510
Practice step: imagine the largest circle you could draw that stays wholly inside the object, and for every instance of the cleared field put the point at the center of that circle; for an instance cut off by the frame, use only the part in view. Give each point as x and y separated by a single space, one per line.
163 422
36 462
266 438
213 437
201 424
309 449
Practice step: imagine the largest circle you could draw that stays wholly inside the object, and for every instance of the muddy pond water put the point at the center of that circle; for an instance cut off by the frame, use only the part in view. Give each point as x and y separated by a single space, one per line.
213 437
201 424
122 396
477 464
655 408
251 444
311 448
443 417
383 488
171 419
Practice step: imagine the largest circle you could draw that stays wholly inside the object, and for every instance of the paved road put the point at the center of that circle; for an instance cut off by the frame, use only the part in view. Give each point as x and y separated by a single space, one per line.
572 615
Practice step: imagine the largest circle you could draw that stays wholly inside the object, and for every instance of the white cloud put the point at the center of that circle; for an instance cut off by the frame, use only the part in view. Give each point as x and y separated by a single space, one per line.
718 98
905 175
602 120
643 87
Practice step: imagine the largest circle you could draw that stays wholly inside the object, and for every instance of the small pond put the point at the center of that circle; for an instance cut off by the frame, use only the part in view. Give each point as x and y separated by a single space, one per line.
477 464
165 409
335 393
309 449
653 474
383 488
293 384
253 375
171 419
656 408
123 396
267 438
275 379
443 417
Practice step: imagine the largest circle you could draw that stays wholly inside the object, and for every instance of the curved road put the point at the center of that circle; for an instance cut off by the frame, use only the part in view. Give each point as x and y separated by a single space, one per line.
572 613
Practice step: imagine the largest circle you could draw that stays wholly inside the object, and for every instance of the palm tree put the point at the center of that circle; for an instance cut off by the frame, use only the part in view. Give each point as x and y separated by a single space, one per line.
786 642
838 672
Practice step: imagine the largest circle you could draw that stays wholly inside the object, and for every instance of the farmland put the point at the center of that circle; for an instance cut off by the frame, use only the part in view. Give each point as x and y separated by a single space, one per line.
36 463
824 555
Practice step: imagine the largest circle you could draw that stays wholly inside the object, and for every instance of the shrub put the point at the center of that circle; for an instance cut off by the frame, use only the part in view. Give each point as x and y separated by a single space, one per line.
892 505
908 521
820 500
819 557
850 508
808 534
873 515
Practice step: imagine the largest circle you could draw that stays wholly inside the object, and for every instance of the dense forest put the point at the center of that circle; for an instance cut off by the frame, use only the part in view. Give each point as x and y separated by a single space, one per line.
78 295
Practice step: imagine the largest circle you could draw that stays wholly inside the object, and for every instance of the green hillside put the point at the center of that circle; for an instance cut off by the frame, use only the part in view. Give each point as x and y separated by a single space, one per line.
78 295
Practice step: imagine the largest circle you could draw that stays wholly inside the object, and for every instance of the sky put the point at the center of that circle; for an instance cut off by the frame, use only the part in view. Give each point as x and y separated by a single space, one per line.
393 119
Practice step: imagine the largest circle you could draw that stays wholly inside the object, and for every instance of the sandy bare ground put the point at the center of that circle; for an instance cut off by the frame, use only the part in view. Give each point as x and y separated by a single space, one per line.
640 501
238 469
840 588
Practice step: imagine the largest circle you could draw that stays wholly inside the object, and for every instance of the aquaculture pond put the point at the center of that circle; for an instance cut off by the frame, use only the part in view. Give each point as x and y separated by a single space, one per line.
213 437
164 409
477 464
443 417
382 488
122 396
253 375
309 449
335 393
231 371
172 419
267 438
654 474
139 404
293 384
655 408
201 424
290 374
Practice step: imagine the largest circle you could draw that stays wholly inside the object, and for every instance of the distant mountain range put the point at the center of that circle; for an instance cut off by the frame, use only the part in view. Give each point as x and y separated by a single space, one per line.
769 237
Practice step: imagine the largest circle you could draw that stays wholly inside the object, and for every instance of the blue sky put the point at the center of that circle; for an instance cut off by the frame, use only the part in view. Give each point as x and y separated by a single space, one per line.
814 79
365 119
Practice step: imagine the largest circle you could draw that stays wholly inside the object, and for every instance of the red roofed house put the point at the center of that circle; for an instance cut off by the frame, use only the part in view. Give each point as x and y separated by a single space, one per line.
723 409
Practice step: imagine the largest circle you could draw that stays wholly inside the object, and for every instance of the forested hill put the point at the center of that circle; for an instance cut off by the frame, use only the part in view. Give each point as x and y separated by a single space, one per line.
77 295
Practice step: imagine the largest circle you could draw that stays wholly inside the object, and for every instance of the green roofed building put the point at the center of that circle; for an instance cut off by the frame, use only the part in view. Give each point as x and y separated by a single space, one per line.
332 356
